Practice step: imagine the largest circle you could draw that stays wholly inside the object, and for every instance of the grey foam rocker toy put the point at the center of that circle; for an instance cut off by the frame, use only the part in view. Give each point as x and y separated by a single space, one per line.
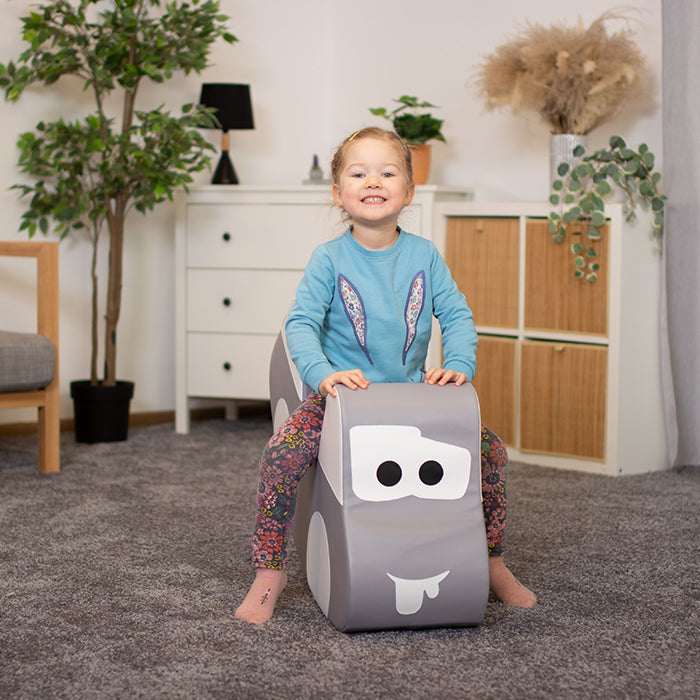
389 525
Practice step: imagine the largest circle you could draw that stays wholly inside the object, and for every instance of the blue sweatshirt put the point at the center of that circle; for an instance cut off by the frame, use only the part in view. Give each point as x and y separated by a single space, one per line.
372 310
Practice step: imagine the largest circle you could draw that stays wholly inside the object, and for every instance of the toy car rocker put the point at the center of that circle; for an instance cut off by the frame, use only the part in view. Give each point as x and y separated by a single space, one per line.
389 524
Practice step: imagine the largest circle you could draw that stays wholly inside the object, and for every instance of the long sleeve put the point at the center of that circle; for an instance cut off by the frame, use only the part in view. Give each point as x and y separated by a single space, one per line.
459 337
306 320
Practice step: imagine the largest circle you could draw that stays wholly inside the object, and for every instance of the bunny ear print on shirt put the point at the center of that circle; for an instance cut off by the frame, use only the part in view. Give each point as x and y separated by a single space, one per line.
414 305
355 310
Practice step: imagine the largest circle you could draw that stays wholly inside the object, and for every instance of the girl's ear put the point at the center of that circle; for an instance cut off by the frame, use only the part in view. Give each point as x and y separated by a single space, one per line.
335 191
410 192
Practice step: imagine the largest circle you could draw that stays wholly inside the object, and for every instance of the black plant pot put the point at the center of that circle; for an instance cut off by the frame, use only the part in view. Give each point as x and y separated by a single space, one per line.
101 412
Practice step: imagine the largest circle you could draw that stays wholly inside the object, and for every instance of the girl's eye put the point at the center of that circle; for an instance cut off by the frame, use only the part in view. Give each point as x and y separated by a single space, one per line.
357 175
388 175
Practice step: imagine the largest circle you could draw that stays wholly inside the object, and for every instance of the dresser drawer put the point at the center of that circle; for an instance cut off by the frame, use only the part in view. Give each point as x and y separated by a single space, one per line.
226 365
258 235
239 301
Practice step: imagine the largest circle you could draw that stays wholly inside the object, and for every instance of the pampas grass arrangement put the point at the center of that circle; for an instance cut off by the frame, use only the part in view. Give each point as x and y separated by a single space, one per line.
575 78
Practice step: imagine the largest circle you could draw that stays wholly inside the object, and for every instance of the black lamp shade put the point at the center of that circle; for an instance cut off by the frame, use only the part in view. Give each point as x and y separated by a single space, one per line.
234 111
231 102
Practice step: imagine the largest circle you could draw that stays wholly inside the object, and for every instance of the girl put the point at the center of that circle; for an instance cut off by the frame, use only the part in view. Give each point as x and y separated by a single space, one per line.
349 325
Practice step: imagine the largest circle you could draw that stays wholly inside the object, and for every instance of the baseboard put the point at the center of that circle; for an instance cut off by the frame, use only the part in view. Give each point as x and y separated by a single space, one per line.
253 409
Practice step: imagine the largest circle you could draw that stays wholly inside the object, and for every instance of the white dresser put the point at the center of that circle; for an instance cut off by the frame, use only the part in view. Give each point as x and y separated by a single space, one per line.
240 252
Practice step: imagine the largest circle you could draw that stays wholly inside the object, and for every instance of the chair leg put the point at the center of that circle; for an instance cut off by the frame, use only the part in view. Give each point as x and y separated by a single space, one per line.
50 431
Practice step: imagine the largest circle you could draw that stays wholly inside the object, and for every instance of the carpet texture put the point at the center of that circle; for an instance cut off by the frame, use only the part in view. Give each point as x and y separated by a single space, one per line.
119 577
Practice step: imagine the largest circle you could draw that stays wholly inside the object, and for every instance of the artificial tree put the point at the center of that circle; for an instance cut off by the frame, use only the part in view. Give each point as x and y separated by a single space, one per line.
87 173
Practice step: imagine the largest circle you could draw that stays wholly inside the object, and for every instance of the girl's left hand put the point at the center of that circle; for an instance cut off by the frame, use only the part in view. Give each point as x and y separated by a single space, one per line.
441 376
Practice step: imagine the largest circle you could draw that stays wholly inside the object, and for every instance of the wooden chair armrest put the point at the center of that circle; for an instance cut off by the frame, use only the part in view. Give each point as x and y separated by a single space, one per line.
46 254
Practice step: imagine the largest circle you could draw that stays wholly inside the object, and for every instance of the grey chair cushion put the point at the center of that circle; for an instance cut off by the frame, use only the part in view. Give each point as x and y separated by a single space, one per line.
27 361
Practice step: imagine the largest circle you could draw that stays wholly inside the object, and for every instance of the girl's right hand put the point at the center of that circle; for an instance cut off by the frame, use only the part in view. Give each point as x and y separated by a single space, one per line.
351 378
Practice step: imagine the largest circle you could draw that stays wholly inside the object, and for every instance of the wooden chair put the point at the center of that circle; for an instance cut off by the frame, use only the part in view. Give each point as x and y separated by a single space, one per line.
45 396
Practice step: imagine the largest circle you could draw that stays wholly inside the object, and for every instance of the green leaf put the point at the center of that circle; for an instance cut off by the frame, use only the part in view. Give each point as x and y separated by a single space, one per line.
554 199
563 169
584 170
598 219
594 233
576 248
603 188
617 142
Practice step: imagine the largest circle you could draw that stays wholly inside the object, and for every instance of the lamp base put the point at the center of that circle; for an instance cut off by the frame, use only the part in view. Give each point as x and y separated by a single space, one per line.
224 173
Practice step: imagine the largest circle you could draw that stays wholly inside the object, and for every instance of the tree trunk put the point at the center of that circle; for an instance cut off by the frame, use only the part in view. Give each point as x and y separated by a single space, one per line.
94 310
114 287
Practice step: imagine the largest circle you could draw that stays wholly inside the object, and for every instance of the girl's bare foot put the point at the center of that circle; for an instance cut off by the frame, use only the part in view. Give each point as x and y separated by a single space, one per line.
259 604
506 587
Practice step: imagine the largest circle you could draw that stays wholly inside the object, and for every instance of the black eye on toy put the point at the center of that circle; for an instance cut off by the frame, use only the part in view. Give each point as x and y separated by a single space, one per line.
431 472
389 473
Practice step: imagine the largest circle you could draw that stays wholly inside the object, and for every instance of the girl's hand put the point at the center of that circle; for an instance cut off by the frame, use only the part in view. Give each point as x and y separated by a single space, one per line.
443 376
351 378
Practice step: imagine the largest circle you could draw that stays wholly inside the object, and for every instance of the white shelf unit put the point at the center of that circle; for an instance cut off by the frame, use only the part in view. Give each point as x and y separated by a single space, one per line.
634 433
240 252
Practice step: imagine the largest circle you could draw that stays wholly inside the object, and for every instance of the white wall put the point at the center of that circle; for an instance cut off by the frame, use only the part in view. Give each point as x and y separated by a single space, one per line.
315 67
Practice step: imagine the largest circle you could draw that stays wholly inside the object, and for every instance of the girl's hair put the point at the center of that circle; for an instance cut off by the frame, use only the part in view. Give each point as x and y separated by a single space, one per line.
373 132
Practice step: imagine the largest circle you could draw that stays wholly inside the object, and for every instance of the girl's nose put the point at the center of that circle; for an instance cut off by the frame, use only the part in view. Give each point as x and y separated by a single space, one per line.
373 181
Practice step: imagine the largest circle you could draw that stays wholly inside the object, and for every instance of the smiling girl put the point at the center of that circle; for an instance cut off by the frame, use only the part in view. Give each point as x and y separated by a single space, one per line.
349 325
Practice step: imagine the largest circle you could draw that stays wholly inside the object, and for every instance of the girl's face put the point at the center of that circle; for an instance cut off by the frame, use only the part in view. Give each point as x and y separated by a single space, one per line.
372 188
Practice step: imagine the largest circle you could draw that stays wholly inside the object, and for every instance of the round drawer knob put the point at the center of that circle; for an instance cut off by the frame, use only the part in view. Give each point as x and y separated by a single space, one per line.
226 236
227 366
227 301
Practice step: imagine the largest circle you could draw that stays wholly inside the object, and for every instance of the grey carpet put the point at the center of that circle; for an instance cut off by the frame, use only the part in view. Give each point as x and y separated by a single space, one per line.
119 578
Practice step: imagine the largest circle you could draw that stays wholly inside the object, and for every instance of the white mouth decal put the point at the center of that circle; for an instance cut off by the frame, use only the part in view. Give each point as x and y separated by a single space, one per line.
409 592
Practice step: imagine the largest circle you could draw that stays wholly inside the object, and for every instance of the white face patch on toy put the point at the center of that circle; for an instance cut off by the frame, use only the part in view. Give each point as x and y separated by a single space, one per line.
409 592
388 462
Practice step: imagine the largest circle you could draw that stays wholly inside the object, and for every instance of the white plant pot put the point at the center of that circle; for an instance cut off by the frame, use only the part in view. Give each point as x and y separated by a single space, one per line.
561 150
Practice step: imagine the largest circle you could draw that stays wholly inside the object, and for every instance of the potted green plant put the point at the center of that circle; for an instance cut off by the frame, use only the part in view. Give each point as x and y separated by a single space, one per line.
87 174
580 192
416 128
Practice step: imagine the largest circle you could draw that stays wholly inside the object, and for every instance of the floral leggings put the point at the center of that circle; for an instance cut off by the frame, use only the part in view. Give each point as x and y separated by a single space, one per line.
294 448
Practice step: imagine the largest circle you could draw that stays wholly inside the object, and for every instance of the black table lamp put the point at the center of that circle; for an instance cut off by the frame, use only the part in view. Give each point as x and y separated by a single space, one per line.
234 111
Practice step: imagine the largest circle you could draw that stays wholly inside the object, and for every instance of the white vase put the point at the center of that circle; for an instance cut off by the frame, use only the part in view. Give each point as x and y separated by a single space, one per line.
561 150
